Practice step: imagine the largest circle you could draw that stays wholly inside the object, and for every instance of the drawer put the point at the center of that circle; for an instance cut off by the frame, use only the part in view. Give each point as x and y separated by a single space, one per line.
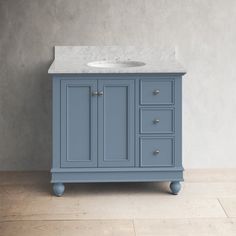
156 92
156 120
156 151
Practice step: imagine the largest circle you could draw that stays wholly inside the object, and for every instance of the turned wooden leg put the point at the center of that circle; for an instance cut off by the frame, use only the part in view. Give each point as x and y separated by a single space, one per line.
175 187
58 189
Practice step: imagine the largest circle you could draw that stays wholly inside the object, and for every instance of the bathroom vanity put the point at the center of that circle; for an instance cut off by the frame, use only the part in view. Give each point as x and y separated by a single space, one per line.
116 116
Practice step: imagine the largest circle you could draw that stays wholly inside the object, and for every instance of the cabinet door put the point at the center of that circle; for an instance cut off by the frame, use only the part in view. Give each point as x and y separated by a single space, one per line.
116 123
78 123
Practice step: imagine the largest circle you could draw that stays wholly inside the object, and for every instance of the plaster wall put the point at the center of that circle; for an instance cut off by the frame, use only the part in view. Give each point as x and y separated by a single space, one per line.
203 33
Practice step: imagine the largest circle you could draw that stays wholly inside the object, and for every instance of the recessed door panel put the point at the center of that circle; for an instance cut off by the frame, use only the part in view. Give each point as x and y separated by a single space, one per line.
78 123
116 123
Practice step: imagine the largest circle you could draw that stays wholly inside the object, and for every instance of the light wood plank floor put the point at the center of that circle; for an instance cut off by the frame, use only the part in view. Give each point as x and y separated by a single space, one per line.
206 206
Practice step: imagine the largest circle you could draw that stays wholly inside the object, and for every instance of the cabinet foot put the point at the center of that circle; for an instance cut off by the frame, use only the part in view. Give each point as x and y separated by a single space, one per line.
175 187
58 189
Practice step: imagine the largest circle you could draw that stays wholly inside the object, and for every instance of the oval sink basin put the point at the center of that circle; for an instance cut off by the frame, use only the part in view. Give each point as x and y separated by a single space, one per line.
115 64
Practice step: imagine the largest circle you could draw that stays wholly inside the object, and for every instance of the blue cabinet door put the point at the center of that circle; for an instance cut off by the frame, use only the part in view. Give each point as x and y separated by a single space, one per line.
78 123
116 123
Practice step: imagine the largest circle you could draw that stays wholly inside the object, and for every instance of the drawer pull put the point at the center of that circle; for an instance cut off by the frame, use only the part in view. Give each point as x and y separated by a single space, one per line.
156 121
156 92
156 152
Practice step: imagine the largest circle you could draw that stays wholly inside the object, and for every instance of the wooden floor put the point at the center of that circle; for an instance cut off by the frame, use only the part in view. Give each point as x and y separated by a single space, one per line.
206 206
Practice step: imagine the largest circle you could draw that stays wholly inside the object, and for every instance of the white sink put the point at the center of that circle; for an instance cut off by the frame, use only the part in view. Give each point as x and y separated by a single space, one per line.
115 64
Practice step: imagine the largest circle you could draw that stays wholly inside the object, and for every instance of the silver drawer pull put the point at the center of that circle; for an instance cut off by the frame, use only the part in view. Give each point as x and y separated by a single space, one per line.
156 121
95 93
156 92
156 152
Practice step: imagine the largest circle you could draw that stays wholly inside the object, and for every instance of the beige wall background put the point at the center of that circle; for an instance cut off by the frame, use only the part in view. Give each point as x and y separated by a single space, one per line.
203 33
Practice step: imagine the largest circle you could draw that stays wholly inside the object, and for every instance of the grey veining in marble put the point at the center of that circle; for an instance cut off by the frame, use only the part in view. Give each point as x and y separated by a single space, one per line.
74 59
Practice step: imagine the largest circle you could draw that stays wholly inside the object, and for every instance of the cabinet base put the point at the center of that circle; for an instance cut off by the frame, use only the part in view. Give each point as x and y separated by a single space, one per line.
67 175
86 175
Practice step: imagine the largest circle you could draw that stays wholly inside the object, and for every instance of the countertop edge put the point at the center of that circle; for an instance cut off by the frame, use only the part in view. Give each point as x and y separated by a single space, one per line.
53 71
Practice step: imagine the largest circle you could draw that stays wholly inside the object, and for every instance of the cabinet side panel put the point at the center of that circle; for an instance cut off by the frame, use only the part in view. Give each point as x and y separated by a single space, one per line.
178 122
56 129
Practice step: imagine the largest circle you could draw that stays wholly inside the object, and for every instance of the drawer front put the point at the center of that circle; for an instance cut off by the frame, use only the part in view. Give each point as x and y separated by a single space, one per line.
157 92
153 120
157 152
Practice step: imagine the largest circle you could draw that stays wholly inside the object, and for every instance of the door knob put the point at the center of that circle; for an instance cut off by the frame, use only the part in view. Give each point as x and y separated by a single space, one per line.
95 93
100 93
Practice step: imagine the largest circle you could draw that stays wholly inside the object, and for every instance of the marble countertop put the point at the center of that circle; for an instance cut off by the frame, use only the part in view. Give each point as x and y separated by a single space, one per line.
74 59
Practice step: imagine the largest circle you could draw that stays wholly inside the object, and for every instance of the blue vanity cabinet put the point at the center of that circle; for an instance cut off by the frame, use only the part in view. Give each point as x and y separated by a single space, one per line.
116 128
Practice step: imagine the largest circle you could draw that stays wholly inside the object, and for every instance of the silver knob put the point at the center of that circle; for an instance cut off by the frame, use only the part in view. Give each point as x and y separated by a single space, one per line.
156 121
100 93
156 92
95 93
156 152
